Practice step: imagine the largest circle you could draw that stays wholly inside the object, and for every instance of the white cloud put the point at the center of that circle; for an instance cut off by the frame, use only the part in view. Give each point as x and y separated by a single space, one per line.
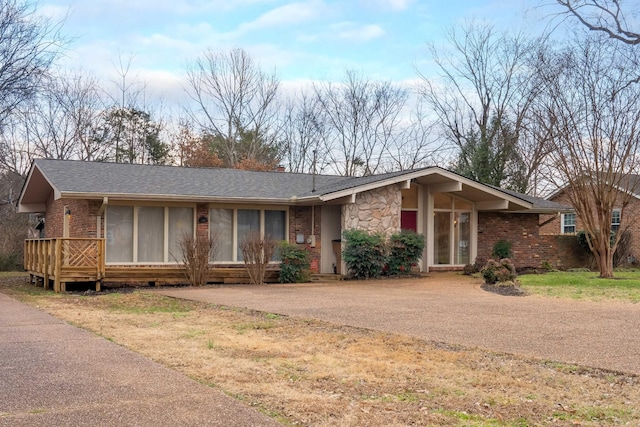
287 15
395 5
358 33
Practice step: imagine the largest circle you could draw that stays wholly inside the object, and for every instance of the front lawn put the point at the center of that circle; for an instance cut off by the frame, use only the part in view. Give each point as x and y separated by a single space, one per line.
584 285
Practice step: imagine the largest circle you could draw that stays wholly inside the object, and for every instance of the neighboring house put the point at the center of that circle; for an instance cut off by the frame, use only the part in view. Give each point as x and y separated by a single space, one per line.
142 211
569 223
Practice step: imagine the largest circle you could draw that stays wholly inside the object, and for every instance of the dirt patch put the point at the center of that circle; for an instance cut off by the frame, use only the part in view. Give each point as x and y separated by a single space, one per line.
511 291
308 372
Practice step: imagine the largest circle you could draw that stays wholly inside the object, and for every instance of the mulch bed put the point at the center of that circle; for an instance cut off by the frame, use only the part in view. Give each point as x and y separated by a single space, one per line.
511 291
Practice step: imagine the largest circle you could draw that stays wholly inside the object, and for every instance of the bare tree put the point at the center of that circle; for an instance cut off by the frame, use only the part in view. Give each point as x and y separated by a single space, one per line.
28 45
302 132
63 120
482 97
13 226
603 16
236 104
362 117
592 114
415 144
16 148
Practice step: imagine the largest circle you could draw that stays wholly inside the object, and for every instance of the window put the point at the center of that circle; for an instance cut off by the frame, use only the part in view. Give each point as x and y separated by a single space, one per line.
568 223
119 234
452 230
230 226
615 220
146 234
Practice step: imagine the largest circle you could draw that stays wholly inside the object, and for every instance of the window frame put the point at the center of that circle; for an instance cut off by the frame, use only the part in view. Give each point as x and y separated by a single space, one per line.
234 208
457 206
615 226
167 259
564 225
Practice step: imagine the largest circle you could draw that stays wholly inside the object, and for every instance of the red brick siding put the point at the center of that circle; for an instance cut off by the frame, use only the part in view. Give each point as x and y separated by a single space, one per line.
630 222
300 223
529 247
82 221
202 211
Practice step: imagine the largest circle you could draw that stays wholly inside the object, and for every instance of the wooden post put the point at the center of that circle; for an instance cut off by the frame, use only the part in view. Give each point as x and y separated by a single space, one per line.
58 265
100 243
45 267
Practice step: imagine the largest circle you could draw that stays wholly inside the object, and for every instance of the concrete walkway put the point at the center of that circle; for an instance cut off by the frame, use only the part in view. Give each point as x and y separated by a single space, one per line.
53 374
453 309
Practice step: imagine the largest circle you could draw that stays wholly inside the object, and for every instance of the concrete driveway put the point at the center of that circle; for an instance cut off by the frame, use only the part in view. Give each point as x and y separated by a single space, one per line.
453 309
54 374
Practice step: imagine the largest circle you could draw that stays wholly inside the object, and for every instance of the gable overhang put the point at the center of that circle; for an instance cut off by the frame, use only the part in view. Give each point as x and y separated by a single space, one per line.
36 190
442 181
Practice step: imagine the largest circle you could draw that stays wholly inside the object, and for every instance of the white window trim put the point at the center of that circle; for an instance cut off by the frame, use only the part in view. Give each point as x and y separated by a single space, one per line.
562 224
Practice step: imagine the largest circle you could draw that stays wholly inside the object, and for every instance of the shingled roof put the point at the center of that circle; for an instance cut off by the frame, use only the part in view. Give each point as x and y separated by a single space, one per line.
72 178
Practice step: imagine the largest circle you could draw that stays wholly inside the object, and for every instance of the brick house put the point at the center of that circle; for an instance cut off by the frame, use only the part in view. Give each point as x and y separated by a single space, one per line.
141 210
569 223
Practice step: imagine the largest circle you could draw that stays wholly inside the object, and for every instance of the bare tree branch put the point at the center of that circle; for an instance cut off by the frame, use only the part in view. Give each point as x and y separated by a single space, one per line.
604 16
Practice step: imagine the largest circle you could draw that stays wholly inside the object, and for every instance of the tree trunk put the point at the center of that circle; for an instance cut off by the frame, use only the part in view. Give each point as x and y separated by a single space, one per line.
604 259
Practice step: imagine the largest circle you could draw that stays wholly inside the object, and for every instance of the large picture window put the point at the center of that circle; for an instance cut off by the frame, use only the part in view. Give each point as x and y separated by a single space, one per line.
146 234
229 227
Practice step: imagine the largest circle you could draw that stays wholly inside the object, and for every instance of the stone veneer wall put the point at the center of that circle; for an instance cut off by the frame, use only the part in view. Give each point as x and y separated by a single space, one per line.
375 211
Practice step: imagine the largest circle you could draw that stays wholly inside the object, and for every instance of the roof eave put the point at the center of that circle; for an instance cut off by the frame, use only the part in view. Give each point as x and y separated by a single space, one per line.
176 198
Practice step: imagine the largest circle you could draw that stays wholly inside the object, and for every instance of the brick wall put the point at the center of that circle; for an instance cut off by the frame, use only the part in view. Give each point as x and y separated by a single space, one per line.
82 221
529 247
300 223
630 222
202 211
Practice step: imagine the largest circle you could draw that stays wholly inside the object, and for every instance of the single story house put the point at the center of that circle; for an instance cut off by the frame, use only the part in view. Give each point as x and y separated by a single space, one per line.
140 212
569 223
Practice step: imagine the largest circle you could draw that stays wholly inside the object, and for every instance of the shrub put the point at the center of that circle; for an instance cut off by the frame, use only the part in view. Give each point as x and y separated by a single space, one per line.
623 251
405 249
195 253
294 263
256 253
10 262
363 254
501 271
546 265
502 249
476 267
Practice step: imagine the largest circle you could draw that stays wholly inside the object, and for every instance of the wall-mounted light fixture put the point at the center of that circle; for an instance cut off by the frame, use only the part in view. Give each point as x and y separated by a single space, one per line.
67 211
203 220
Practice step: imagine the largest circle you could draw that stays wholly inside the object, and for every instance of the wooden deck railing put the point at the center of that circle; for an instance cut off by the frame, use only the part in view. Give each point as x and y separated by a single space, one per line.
64 260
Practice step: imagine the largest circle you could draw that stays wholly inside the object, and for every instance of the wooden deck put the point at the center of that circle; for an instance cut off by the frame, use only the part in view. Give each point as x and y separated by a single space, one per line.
64 260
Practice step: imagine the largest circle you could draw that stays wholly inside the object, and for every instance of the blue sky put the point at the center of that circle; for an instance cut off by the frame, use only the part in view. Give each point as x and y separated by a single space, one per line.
301 40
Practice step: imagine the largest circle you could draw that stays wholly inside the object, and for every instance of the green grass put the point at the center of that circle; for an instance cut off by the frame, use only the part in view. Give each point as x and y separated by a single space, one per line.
13 274
584 285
